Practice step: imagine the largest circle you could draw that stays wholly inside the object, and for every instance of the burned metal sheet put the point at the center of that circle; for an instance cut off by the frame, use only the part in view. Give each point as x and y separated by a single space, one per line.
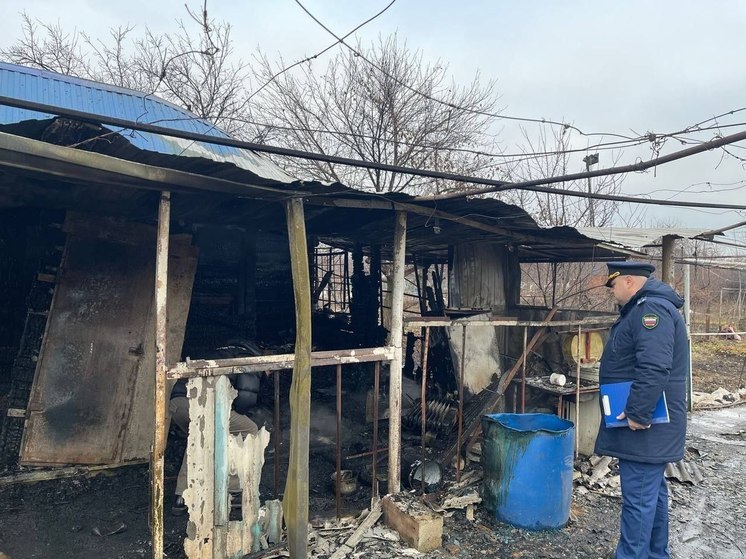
90 385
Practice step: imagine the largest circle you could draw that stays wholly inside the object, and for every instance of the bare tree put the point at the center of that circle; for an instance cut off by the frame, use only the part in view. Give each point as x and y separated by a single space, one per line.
548 155
383 112
193 69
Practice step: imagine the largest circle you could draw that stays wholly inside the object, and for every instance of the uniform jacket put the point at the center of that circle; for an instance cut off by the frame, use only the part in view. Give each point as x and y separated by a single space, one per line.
648 345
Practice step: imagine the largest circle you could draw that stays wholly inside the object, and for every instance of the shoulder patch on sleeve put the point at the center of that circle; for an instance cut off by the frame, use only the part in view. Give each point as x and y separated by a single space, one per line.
650 320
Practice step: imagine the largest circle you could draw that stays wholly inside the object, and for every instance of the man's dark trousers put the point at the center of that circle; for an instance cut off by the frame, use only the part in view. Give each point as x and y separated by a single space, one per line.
644 531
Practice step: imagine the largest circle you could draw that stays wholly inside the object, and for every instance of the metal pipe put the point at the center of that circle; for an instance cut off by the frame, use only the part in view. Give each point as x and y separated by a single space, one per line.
523 370
461 403
422 401
577 395
376 385
277 432
339 440
687 322
554 283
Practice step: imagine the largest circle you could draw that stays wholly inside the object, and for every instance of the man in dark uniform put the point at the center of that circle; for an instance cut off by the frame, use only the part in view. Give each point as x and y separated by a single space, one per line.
648 345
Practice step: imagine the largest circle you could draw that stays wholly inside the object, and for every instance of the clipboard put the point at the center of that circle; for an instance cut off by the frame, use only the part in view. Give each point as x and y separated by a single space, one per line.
614 400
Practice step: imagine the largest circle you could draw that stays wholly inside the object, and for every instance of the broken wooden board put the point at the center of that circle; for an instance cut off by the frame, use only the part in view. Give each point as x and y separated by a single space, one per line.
359 532
461 501
416 524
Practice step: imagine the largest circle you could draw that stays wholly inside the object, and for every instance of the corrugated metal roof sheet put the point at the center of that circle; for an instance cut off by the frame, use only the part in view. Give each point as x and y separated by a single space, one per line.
638 237
50 88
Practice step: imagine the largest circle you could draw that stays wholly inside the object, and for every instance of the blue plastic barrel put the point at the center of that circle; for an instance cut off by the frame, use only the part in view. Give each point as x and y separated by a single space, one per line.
528 460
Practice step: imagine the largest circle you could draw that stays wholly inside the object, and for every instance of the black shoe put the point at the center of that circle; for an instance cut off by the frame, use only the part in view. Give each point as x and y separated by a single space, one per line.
179 507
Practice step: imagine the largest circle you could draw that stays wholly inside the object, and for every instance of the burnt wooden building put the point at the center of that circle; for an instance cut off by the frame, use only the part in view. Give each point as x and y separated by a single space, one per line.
132 244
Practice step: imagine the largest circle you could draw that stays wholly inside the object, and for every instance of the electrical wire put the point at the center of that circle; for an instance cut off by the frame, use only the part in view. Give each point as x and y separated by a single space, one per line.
494 186
651 136
321 52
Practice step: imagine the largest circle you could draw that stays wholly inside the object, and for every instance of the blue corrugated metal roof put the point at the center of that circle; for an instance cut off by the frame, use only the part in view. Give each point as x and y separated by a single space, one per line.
68 92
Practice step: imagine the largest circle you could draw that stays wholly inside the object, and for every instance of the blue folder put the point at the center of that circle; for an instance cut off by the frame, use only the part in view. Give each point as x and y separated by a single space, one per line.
614 401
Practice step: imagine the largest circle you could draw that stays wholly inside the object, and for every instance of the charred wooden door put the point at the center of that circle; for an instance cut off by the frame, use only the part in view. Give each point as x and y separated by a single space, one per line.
91 401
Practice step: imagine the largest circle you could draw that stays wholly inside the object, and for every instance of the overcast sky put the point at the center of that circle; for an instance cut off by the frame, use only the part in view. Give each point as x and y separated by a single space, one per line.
623 67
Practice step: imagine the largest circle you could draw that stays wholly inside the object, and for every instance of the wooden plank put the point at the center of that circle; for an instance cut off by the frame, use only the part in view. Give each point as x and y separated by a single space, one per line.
199 495
295 502
416 524
157 461
261 363
57 473
357 535
395 341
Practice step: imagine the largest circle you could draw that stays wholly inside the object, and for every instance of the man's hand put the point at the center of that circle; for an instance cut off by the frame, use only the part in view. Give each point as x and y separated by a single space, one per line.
632 423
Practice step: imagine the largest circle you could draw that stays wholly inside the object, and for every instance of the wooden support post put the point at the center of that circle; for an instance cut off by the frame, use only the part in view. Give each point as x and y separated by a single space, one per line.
159 420
667 275
395 340
295 502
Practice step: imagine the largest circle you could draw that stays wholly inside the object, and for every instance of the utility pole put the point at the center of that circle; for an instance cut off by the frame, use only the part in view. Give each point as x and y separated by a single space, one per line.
591 159
667 273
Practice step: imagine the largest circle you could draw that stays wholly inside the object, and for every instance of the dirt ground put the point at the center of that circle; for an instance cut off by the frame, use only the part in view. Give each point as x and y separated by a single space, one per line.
106 516
718 363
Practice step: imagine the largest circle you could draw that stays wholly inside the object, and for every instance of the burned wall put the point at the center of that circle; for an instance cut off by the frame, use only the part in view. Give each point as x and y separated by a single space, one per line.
243 290
31 243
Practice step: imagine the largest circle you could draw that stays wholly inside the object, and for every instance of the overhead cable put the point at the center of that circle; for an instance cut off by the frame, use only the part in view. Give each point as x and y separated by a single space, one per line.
493 185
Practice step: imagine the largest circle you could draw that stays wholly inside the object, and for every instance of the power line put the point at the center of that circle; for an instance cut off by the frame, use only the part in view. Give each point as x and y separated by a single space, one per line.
510 158
309 58
650 136
493 185
430 97
633 168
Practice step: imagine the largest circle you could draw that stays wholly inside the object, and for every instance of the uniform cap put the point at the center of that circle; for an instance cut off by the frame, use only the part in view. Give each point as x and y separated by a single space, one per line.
617 269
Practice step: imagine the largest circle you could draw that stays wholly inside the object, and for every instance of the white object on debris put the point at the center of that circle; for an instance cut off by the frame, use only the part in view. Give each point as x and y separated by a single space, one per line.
557 379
